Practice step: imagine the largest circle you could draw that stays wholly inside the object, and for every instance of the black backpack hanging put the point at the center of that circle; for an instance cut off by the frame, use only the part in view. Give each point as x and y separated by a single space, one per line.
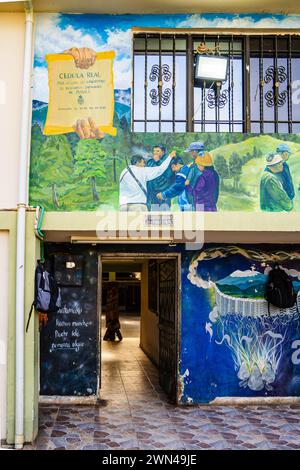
47 298
280 291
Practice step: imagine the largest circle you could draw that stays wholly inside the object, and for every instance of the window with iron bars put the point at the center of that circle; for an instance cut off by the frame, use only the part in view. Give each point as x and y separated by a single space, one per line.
259 95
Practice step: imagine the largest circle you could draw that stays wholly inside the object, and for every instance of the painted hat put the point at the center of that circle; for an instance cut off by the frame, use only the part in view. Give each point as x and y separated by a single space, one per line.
195 146
283 148
273 159
206 160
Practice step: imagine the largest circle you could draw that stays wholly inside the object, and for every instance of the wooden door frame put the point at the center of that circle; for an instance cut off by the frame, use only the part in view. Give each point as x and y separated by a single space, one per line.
133 257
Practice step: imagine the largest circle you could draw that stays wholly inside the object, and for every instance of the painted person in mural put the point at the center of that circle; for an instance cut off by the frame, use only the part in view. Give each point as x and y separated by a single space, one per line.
197 151
205 191
273 195
287 182
161 183
185 172
133 194
178 187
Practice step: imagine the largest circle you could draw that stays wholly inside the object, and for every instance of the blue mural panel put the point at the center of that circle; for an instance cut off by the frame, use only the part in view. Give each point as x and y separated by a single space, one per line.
231 344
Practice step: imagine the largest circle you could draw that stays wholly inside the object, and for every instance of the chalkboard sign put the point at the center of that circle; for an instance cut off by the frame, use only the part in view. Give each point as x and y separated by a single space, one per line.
69 341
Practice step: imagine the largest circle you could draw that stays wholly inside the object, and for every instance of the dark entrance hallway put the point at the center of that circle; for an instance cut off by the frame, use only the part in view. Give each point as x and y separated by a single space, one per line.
143 291
127 373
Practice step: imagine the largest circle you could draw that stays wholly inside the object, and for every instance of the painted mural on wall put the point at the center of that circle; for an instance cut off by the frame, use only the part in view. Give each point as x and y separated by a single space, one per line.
84 156
231 172
239 348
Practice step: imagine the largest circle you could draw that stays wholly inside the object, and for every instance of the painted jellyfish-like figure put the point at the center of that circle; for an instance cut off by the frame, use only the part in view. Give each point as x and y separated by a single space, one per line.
254 335
241 320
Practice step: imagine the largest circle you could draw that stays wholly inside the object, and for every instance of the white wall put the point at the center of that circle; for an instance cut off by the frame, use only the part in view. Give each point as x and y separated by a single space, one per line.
149 321
11 68
4 256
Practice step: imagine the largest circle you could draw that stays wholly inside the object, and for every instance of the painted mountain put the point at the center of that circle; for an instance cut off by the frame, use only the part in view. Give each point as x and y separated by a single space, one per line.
123 97
247 284
39 112
122 108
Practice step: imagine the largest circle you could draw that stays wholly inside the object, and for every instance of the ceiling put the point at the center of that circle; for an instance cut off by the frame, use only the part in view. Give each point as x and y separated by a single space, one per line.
157 6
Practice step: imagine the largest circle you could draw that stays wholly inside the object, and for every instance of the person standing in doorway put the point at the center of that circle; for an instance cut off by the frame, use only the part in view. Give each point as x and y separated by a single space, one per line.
112 313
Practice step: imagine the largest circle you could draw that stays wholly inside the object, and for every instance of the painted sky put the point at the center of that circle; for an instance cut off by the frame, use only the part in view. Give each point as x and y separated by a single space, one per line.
57 32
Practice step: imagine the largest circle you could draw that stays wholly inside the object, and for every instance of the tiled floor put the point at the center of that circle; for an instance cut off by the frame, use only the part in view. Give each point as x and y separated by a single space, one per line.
135 414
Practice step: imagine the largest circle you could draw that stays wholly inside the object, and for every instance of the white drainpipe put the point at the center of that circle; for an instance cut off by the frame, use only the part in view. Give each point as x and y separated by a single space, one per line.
21 224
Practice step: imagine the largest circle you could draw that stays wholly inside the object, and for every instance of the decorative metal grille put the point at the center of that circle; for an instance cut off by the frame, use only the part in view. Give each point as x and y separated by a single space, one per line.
160 72
259 84
217 99
159 95
276 76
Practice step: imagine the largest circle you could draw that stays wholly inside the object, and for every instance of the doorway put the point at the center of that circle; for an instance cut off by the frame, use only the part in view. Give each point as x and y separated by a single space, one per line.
72 350
148 287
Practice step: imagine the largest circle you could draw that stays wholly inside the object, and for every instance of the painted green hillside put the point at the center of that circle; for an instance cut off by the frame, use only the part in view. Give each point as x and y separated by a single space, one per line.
265 143
244 195
67 173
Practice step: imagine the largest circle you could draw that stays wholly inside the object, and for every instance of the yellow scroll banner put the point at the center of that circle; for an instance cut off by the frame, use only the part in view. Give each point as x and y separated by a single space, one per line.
80 93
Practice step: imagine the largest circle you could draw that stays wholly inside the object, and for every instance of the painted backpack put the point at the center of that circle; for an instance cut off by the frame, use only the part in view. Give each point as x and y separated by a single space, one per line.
280 291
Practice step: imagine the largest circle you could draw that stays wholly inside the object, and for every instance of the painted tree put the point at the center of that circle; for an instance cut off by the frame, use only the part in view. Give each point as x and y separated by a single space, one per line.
122 147
246 158
219 141
37 140
221 166
235 169
259 153
209 142
236 137
90 163
73 139
116 149
228 137
114 160
255 152
55 168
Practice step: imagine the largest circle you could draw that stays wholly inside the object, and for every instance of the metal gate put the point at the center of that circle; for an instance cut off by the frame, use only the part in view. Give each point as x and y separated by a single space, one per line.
168 300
